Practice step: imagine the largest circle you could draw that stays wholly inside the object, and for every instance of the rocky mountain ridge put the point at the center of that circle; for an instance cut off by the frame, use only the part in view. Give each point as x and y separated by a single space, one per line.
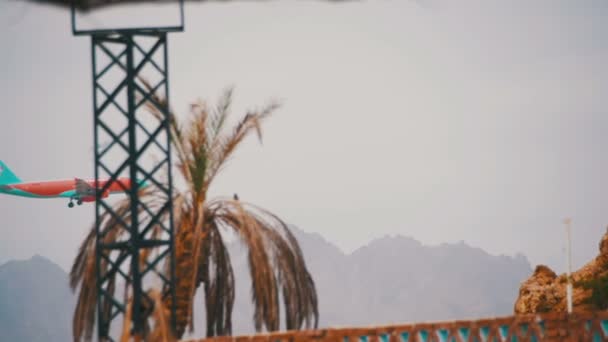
545 291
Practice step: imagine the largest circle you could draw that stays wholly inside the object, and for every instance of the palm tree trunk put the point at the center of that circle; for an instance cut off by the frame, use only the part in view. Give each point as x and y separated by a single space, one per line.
184 264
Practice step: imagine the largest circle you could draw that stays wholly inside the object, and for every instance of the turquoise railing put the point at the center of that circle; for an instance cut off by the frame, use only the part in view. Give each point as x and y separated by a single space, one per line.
553 327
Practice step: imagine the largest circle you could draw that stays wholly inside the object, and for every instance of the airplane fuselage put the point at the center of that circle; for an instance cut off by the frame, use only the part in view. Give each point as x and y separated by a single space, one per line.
62 189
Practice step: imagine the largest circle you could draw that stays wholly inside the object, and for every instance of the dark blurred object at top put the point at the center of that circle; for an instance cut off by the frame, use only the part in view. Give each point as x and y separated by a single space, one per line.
93 4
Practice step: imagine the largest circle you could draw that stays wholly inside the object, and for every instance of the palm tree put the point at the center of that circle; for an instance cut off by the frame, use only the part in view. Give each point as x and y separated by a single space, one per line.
202 145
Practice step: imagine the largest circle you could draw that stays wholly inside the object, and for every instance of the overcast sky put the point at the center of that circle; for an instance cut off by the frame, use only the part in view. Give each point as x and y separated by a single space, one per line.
482 121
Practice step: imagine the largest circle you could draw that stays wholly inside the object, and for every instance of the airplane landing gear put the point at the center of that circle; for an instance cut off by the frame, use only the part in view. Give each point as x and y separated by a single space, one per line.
72 199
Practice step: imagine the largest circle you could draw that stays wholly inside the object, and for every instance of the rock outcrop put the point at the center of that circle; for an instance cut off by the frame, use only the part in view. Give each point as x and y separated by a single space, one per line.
545 291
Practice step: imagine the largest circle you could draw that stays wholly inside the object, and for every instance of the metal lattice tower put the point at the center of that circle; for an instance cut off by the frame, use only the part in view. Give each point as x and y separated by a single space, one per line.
131 142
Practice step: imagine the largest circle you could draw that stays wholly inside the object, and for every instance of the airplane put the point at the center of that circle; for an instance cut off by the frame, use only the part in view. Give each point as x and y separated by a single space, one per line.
75 190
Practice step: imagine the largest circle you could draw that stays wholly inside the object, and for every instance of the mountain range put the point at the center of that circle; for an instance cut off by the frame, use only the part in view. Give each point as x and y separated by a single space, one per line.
393 279
35 301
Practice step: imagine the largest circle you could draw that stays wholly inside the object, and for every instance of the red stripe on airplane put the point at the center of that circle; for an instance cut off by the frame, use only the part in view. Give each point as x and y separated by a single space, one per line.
55 188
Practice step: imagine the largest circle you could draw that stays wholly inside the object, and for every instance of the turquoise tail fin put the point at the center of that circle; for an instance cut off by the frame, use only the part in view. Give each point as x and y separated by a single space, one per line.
6 175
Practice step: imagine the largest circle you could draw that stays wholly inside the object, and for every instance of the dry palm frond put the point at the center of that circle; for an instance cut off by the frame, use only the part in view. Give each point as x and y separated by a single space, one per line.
161 332
225 144
126 323
83 273
158 107
275 260
215 271
162 317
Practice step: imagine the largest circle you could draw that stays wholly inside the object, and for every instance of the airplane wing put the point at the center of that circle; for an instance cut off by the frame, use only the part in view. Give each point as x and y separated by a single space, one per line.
83 188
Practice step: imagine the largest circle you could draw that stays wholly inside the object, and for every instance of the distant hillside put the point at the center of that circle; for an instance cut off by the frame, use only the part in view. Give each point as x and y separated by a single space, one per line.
397 279
391 280
35 301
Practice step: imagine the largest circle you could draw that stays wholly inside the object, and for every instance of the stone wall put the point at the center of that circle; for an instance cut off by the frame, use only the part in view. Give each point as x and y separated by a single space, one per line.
552 327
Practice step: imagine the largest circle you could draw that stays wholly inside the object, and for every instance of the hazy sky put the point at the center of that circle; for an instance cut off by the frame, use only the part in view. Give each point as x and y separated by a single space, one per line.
474 120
